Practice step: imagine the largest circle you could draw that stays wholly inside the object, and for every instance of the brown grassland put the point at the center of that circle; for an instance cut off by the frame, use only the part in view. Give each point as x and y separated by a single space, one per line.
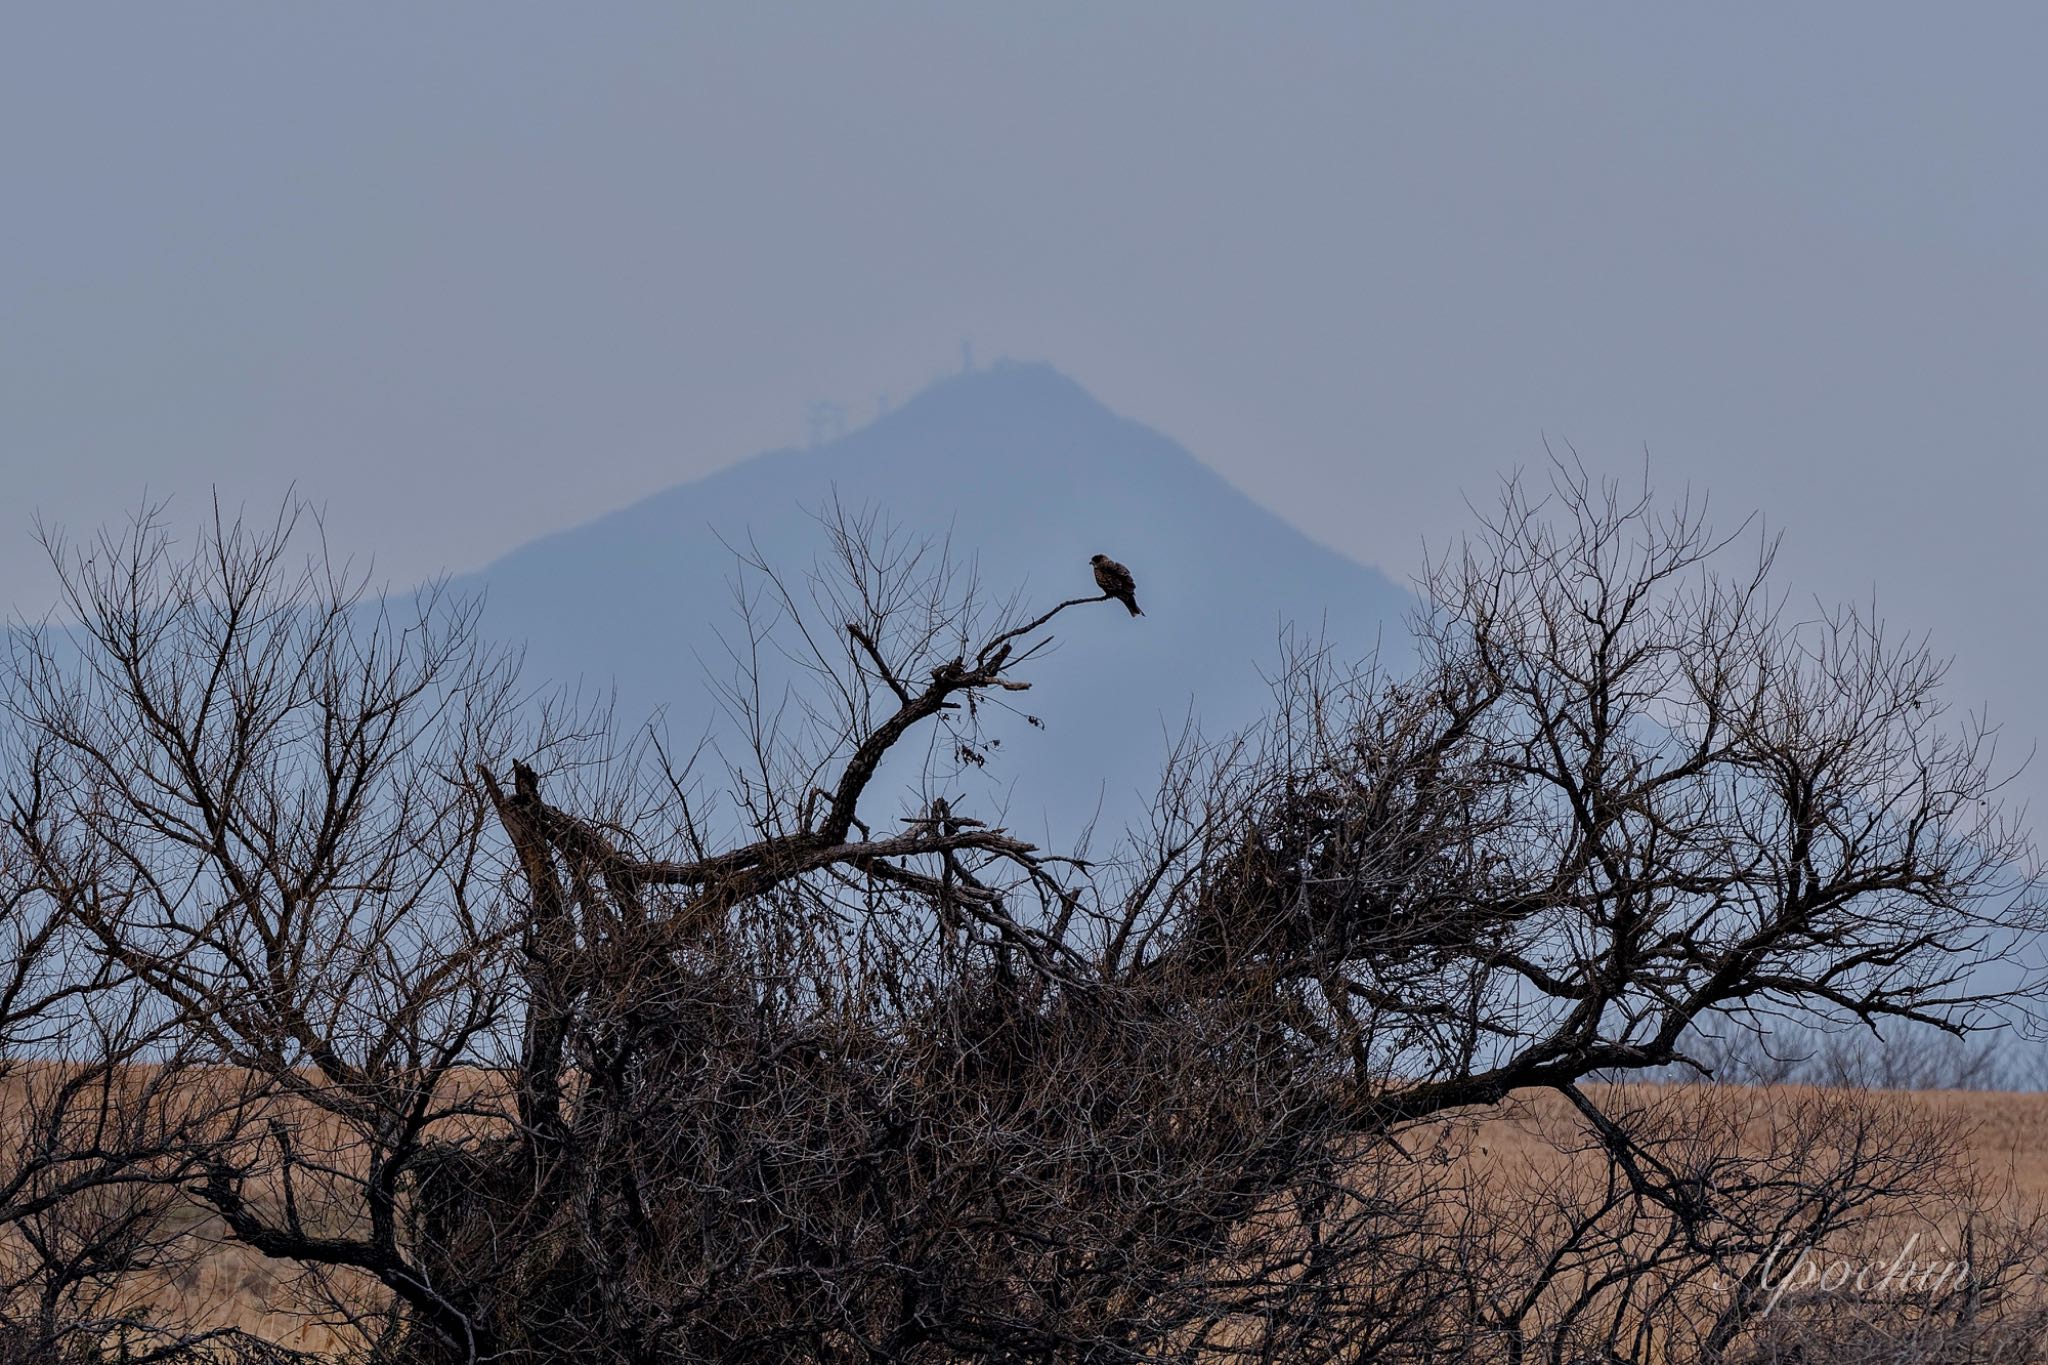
1535 1140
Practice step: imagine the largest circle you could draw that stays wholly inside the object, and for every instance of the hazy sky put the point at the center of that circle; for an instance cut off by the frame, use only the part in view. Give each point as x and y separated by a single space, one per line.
469 272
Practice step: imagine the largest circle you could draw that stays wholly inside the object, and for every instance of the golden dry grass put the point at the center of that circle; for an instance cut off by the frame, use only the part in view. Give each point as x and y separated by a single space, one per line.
2006 1132
228 1285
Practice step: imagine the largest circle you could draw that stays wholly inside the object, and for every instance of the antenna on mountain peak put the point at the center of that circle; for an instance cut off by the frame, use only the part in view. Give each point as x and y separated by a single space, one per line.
827 421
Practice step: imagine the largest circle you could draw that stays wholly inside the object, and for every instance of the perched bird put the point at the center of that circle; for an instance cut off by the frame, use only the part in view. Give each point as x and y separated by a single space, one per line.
1116 581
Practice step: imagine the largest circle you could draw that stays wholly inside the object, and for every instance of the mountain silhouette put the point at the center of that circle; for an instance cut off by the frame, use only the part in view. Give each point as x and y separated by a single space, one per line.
1027 475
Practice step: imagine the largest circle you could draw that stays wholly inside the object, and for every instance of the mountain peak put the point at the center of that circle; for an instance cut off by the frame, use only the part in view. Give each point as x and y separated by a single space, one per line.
1023 386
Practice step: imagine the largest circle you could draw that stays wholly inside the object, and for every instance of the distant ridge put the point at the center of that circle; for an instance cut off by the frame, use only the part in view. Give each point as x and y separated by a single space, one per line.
1029 475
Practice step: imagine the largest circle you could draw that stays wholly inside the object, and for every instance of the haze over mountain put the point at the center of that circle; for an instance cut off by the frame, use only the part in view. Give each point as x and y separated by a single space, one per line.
1028 475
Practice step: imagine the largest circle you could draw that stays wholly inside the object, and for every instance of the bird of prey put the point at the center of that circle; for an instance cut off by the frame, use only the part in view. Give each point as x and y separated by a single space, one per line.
1116 581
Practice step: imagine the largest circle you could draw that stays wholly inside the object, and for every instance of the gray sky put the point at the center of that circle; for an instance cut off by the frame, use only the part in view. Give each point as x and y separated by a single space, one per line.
470 272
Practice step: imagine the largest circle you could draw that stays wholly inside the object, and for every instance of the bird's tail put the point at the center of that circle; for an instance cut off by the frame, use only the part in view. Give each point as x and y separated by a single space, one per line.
1132 603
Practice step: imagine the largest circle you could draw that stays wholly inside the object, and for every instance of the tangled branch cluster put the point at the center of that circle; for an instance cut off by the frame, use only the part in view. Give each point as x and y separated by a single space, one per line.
507 1041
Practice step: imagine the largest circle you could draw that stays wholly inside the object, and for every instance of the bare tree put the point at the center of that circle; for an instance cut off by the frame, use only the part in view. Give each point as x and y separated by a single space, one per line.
235 790
1627 792
525 1044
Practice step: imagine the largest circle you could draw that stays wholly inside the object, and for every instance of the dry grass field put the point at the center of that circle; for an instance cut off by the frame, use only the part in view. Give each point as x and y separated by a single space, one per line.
1529 1140
2007 1133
